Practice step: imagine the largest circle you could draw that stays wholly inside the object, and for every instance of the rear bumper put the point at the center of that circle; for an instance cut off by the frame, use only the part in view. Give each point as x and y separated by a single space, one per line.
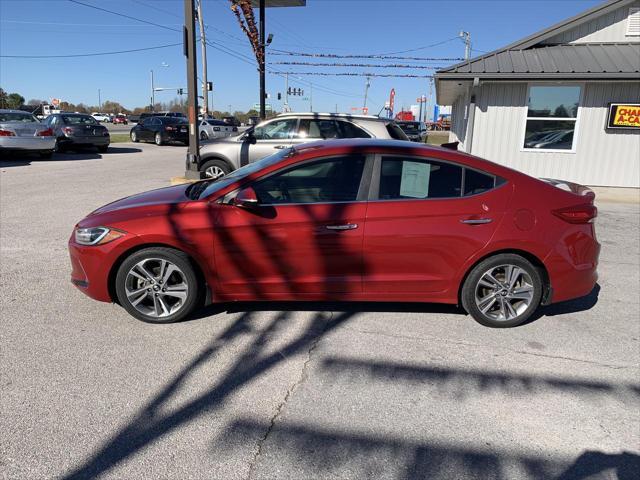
572 267
27 143
93 141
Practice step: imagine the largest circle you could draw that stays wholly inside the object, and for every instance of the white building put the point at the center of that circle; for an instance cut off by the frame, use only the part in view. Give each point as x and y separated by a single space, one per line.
543 105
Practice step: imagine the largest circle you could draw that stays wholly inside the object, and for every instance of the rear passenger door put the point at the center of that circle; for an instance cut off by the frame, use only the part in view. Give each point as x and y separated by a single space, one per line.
424 219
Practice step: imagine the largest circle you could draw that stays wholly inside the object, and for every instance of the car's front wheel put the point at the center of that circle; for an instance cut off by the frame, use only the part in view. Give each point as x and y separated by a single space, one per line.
158 139
204 136
157 285
134 137
215 169
502 291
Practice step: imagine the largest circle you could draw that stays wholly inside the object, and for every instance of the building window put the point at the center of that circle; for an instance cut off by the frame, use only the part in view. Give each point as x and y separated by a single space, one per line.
551 117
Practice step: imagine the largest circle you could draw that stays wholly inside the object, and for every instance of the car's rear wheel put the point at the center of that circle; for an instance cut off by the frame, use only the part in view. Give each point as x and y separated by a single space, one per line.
103 148
157 285
59 148
46 154
502 291
158 139
215 169
134 137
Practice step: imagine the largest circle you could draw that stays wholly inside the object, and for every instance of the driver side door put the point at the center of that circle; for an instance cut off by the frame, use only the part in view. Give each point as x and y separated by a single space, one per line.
270 137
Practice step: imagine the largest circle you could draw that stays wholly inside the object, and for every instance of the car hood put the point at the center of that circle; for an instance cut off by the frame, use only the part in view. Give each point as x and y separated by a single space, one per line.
161 196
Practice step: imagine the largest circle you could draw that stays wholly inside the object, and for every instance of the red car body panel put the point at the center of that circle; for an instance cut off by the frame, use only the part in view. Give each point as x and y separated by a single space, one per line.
404 250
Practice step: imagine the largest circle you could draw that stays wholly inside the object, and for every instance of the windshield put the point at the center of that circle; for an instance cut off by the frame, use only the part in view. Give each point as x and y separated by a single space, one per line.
17 117
79 120
205 188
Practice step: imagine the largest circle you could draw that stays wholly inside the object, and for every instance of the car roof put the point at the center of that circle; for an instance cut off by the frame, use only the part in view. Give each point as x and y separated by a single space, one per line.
13 110
334 115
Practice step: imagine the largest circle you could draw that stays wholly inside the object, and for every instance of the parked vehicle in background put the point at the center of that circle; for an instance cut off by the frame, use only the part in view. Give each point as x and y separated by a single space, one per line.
415 131
352 220
120 120
161 130
78 130
233 121
221 156
22 131
211 128
101 117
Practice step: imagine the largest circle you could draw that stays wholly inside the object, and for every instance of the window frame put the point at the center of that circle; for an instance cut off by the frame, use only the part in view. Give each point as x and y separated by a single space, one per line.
374 187
576 120
363 188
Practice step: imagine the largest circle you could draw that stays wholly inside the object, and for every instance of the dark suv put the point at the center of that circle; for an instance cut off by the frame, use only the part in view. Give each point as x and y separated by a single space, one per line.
161 130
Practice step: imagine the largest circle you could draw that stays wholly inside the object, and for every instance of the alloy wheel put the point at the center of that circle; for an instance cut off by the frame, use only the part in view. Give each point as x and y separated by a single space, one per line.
504 292
156 287
214 172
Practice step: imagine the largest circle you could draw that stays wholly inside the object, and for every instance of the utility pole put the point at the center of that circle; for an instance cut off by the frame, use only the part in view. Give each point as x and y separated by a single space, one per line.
261 68
366 92
99 102
193 153
203 44
311 99
153 94
286 93
466 38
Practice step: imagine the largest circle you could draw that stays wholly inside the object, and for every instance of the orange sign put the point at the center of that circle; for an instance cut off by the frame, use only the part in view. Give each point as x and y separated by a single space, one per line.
624 115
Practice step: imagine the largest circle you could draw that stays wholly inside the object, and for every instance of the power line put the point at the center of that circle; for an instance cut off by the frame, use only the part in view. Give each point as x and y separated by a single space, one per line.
373 56
359 74
421 48
27 22
95 54
125 16
372 65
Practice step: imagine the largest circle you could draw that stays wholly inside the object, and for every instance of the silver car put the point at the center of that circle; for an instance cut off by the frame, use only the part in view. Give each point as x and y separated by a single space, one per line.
221 156
211 128
22 131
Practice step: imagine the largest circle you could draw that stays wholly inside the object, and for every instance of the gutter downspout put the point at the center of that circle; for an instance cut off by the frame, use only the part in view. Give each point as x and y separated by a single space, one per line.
471 116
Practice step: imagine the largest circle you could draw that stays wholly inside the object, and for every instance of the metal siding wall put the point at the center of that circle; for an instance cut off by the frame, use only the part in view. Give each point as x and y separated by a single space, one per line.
609 158
606 28
458 122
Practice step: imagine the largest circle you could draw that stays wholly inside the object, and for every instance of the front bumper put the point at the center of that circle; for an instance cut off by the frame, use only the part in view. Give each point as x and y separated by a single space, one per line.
27 143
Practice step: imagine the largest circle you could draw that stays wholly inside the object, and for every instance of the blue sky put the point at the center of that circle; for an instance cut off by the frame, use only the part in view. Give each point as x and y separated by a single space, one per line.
58 27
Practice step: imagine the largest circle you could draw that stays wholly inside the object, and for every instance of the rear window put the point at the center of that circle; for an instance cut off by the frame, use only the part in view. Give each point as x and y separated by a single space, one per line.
173 120
349 130
412 178
396 132
17 117
477 182
79 120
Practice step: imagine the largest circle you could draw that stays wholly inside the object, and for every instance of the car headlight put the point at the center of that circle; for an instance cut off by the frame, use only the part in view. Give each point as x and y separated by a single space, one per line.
96 235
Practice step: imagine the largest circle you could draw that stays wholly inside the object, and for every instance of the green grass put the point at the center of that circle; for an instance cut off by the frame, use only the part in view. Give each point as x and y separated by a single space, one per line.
120 138
437 138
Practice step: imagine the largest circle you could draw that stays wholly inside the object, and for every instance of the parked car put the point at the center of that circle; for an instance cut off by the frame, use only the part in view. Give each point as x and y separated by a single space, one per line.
78 130
415 131
361 220
22 131
120 120
211 128
161 130
221 156
101 117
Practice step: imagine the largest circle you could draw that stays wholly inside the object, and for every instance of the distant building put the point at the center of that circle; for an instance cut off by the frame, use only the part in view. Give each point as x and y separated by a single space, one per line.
561 103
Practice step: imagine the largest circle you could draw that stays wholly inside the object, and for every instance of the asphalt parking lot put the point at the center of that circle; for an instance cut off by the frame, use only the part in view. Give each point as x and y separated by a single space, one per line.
397 391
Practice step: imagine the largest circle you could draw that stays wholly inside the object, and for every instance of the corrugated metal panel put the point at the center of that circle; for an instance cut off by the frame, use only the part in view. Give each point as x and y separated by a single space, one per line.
610 27
602 157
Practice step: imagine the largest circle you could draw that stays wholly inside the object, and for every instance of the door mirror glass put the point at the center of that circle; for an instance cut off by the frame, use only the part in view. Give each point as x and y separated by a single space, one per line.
250 137
246 198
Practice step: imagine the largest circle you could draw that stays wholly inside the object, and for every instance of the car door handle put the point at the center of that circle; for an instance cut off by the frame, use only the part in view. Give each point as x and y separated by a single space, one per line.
346 226
476 221
280 147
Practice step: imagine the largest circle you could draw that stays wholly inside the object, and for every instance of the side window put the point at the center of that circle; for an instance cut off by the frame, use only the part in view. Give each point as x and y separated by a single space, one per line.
331 180
276 130
349 130
407 178
316 128
476 182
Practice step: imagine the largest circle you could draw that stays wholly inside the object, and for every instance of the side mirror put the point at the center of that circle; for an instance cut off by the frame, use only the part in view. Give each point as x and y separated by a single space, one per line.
246 198
251 138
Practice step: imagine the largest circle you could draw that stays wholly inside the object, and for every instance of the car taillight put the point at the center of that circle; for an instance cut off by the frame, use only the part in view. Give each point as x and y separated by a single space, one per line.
169 129
45 133
216 129
7 133
67 130
577 214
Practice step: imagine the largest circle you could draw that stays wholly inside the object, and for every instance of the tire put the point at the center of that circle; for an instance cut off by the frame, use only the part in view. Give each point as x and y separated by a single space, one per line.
505 304
46 154
204 136
146 300
59 148
215 169
103 148
158 139
134 137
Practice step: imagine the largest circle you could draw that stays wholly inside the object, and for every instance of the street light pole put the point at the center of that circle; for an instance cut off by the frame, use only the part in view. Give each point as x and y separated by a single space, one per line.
192 170
153 95
203 44
99 101
261 67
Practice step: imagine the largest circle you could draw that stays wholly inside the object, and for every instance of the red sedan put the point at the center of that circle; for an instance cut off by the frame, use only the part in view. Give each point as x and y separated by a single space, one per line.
363 220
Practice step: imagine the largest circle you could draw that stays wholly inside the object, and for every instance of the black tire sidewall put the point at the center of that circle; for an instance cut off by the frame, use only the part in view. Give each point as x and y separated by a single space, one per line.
468 290
178 258
216 163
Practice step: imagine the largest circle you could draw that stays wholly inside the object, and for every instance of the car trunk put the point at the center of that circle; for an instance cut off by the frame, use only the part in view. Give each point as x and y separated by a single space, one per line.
86 130
22 129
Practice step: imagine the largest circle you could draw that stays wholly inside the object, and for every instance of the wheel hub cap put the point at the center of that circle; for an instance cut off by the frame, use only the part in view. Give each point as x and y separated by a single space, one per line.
504 292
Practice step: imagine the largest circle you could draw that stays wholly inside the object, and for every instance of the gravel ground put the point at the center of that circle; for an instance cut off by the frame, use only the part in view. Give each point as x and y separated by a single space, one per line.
287 390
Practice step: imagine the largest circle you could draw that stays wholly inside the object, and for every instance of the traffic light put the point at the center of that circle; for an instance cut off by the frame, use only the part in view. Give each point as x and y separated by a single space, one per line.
279 96
209 86
289 91
181 91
